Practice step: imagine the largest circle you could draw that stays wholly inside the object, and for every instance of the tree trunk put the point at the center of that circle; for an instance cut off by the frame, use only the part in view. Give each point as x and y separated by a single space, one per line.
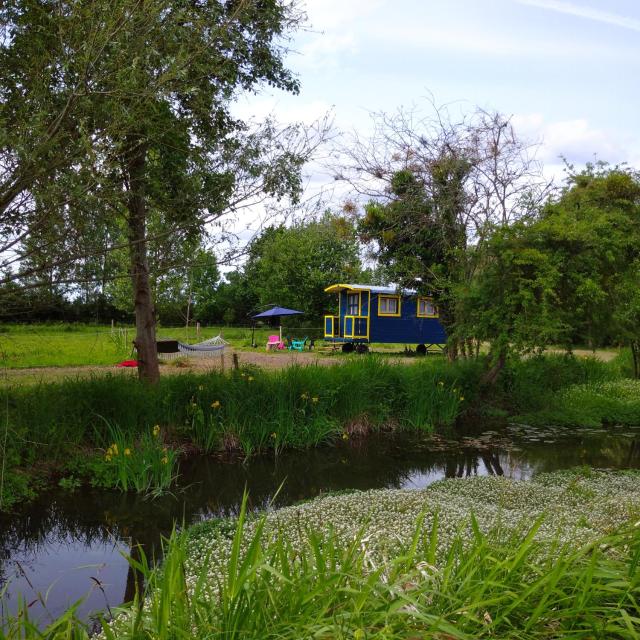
470 347
635 352
492 374
145 341
452 350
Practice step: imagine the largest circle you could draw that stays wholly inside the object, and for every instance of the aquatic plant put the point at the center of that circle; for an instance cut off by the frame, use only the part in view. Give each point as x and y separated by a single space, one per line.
487 558
144 464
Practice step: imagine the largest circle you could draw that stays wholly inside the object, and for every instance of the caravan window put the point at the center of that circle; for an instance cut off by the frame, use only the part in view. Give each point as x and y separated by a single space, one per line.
426 308
388 305
353 304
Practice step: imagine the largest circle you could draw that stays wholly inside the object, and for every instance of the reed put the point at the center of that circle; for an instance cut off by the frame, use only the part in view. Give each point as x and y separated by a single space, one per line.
252 410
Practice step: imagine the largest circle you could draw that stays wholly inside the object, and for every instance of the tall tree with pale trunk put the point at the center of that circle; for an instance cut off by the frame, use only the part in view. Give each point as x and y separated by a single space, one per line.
119 109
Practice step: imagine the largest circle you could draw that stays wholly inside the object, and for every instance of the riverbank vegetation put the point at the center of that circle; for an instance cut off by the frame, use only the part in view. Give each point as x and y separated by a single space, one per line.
68 427
556 557
66 431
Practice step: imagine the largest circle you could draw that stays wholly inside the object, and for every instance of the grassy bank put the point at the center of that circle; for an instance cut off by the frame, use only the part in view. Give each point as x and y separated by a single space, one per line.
64 431
69 428
574 392
557 557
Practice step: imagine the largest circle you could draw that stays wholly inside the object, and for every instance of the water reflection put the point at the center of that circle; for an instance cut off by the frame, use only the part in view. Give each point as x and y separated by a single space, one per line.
76 541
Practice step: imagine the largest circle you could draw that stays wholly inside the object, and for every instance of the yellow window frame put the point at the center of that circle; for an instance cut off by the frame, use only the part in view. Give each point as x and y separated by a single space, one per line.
354 293
335 320
389 297
427 315
353 327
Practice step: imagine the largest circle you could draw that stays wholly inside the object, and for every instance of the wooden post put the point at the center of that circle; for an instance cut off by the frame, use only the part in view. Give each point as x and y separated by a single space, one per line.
236 364
222 360
112 326
198 329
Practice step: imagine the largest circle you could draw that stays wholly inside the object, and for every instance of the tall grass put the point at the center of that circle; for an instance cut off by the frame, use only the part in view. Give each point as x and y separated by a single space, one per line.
251 410
486 587
143 464
568 391
528 384
247 410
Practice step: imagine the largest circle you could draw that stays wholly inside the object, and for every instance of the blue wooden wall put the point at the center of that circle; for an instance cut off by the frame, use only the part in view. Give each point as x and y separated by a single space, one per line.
407 328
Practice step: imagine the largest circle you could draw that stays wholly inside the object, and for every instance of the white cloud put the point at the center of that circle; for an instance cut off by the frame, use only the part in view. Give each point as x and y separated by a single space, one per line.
334 14
334 29
461 39
576 140
581 11
285 109
325 50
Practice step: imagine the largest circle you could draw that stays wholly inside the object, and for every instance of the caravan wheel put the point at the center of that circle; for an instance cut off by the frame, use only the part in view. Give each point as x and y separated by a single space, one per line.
347 347
421 350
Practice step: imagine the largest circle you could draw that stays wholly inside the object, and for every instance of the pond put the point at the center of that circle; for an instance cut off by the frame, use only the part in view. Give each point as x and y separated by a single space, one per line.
72 544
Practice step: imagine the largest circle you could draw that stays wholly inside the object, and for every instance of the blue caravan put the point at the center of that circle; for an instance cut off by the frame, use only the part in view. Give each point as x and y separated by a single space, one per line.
369 313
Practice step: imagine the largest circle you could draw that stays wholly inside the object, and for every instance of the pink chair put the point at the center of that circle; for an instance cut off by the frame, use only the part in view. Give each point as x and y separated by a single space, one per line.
274 342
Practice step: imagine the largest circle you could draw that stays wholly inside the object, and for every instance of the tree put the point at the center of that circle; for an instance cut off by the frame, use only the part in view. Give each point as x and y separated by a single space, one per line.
437 190
120 111
234 300
570 275
204 277
512 301
292 265
594 229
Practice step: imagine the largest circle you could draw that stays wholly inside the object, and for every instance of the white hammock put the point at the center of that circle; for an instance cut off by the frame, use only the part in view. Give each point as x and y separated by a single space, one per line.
204 349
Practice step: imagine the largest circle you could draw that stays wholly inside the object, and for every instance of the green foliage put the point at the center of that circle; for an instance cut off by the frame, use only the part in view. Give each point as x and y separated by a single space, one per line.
249 410
291 266
529 384
570 275
118 140
591 405
70 483
512 303
252 410
593 231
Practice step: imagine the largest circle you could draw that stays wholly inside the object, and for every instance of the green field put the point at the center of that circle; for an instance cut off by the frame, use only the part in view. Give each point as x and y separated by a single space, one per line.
73 345
67 345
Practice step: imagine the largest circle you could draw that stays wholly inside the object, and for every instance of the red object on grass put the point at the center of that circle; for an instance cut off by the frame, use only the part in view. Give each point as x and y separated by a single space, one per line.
127 363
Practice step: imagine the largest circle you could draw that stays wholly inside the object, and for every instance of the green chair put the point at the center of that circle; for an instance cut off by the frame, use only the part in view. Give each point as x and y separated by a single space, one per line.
298 345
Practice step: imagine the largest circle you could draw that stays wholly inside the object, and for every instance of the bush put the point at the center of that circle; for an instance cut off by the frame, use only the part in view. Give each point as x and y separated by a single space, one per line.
592 405
528 384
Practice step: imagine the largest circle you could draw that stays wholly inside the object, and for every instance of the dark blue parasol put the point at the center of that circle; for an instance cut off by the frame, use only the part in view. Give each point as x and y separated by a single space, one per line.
275 312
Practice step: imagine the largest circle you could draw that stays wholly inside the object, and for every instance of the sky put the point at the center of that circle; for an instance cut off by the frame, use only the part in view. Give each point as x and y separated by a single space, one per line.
566 71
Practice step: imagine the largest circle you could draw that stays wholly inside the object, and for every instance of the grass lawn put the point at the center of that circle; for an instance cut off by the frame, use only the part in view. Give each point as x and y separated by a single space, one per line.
65 346
77 345
24 346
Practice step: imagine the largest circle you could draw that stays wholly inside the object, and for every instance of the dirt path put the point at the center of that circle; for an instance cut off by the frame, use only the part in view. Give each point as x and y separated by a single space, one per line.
34 375
600 354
